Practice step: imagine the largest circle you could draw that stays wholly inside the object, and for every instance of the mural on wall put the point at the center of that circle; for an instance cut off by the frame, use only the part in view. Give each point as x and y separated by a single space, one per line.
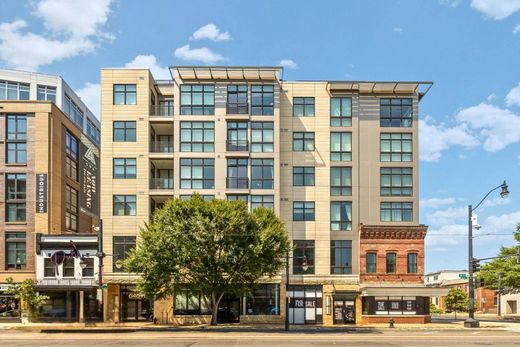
88 177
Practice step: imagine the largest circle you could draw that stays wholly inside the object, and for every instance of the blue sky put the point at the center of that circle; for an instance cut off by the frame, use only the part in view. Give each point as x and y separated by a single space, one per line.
469 122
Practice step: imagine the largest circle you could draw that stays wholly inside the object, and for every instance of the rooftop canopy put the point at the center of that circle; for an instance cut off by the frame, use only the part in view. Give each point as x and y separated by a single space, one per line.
258 73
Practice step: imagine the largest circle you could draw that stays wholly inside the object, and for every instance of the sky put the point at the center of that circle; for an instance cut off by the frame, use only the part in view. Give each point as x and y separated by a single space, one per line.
469 122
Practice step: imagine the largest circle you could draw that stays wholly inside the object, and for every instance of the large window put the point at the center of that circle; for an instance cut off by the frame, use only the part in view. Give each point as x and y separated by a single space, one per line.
262 100
190 303
93 132
266 201
238 197
303 107
16 193
14 91
391 262
15 250
237 173
341 216
264 299
88 270
197 173
124 205
262 137
303 257
262 173
303 176
198 99
371 262
197 136
396 147
125 94
72 154
71 209
341 181
205 197
237 99
72 110
125 167
16 137
396 181
124 131
46 93
340 112
49 268
237 136
396 211
121 246
303 211
303 141
341 257
68 267
341 146
396 112
412 263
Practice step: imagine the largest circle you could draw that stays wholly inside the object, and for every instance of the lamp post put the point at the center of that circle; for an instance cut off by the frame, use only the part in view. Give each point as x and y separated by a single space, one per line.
471 322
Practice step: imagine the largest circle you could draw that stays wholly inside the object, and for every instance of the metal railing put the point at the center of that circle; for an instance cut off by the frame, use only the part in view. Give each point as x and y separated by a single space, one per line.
67 282
161 110
237 182
237 145
161 183
161 146
239 108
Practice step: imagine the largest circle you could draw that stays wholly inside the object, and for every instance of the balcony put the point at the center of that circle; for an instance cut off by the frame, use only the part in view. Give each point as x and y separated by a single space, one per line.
161 147
237 182
237 108
161 183
161 110
67 282
237 145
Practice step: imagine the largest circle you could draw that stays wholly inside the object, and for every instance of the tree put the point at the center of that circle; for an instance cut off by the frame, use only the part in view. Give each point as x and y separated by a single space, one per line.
25 293
211 247
457 300
509 269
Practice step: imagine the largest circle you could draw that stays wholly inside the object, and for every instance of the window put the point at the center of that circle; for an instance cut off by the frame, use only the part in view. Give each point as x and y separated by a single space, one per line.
396 181
262 173
303 257
49 268
396 147
340 216
205 197
16 193
88 271
303 107
391 263
121 246
190 303
124 205
93 132
72 110
15 139
303 141
262 100
16 153
125 94
15 251
197 136
266 201
165 108
396 112
198 99
124 131
341 146
71 158
340 112
14 91
303 210
341 181
197 173
396 212
341 257
68 267
264 299
371 263
15 212
303 176
71 208
125 168
237 174
238 197
237 136
412 263
262 137
237 99
46 93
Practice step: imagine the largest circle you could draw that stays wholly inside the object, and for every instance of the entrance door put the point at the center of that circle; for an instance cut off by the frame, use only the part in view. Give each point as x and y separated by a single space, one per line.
344 311
228 311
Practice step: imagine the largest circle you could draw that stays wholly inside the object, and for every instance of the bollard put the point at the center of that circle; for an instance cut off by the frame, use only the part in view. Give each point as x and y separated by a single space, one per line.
391 323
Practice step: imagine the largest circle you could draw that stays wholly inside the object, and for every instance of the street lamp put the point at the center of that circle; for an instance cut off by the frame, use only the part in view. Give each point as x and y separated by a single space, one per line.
471 322
83 263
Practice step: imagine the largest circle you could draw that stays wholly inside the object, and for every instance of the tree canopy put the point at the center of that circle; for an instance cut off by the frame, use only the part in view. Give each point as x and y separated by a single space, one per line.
212 247
457 300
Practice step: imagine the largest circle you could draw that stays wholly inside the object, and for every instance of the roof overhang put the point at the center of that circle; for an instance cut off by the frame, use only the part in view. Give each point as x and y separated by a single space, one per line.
210 73
365 87
397 290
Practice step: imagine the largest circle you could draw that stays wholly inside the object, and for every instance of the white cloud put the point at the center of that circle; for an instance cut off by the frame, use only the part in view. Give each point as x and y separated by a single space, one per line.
288 63
498 127
73 29
436 202
398 30
450 3
447 235
513 97
150 61
496 9
210 32
202 54
436 138
497 202
491 97
451 215
516 29
90 94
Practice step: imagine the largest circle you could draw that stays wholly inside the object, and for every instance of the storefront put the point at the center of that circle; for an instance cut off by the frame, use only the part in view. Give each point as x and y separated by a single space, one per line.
134 306
70 305
9 306
344 308
305 304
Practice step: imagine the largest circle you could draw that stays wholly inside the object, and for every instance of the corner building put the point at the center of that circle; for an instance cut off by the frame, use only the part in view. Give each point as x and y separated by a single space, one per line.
332 158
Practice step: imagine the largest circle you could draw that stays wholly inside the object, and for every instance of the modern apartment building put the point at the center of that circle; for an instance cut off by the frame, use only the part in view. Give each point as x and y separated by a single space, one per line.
337 160
49 201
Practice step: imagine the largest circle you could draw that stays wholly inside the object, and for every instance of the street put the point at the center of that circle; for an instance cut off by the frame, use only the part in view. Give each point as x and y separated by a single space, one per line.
212 338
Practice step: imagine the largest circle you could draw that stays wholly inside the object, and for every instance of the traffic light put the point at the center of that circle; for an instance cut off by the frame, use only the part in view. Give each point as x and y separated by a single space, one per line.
475 265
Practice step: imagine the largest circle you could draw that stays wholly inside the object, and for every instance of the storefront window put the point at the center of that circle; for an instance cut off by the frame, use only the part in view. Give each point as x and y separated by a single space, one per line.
306 304
9 306
264 300
384 305
60 306
190 303
135 307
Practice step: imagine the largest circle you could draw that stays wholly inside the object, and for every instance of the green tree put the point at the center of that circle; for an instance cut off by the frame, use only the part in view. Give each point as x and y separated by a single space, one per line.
212 247
457 300
26 294
509 269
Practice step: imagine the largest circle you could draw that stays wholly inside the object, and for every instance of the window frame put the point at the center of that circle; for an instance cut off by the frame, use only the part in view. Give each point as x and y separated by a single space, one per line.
266 165
341 189
126 201
396 141
335 265
341 224
391 207
71 155
17 239
125 129
412 267
263 128
190 129
238 91
126 93
307 105
388 108
303 175
304 141
398 176
207 107
21 89
261 200
341 155
239 130
391 264
206 164
344 119
46 93
237 173
125 164
264 108
371 266
303 249
308 211
71 209
126 243
15 200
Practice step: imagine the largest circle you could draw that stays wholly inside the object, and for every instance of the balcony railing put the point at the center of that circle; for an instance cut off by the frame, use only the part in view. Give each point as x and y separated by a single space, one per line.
161 110
161 147
161 183
237 182
87 282
240 108
237 145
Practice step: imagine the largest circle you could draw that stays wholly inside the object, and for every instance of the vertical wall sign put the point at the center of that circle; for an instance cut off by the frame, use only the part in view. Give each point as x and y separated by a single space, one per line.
41 193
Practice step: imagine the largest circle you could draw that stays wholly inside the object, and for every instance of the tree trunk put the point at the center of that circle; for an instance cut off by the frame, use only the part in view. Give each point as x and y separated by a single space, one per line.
215 300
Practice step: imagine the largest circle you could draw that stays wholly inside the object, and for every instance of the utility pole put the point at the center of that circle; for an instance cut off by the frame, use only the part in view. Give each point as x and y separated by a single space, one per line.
471 322
287 300
499 293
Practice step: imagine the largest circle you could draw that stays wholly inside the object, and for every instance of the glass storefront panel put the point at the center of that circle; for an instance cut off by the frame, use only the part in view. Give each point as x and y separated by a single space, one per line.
305 305
134 306
9 306
61 306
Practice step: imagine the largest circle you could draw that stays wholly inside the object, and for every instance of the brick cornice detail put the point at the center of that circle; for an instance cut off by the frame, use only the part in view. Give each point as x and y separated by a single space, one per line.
417 232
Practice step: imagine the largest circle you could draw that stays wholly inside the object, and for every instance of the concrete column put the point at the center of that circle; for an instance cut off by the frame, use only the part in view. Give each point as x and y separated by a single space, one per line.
115 316
81 306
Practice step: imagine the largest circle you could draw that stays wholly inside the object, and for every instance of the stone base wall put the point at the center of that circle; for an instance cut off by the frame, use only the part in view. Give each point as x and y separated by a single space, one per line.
375 319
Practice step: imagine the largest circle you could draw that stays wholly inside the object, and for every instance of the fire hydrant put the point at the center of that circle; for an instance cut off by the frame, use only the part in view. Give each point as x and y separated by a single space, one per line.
391 323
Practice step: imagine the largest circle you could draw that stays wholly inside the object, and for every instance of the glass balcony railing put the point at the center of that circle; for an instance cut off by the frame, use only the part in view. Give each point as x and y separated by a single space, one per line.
161 147
161 110
237 145
237 108
237 182
161 183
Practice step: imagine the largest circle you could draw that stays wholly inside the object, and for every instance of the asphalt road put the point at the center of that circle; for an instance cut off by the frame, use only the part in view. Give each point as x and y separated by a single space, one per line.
198 339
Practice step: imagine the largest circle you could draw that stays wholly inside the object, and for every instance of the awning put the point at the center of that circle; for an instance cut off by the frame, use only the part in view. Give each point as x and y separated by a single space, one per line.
404 291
